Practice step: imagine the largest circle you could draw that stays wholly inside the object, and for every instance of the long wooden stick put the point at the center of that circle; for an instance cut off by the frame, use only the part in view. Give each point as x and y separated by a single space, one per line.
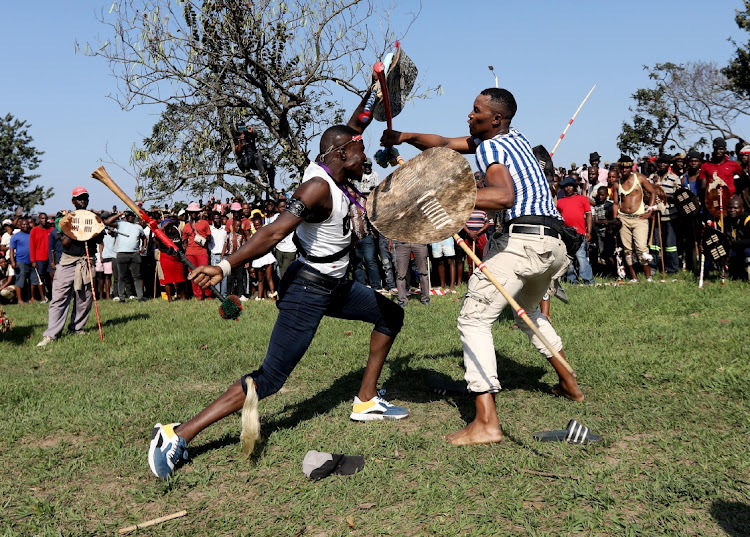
152 522
513 304
93 292
662 249
571 121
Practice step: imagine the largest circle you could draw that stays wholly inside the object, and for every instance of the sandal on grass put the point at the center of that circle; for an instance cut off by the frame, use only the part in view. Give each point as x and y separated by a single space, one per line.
575 433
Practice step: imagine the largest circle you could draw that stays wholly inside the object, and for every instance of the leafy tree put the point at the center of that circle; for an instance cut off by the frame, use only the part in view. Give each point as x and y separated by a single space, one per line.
738 70
18 157
654 123
279 65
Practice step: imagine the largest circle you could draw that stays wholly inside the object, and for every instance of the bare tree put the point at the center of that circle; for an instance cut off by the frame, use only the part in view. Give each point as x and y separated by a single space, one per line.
688 103
280 65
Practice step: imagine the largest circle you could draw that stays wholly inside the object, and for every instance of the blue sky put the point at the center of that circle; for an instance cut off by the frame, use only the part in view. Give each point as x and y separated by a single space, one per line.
549 54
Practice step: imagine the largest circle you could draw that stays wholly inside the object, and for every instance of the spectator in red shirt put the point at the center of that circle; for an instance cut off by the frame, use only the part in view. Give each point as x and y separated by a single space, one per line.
195 234
576 211
39 254
721 166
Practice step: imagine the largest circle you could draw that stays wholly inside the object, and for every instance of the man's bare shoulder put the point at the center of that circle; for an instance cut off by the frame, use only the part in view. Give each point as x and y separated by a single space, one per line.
313 188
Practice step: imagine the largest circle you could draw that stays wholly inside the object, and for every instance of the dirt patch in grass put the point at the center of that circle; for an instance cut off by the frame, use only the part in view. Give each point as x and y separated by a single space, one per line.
54 440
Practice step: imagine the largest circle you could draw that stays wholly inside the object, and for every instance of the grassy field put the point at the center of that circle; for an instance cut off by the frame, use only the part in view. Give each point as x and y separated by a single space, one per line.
665 369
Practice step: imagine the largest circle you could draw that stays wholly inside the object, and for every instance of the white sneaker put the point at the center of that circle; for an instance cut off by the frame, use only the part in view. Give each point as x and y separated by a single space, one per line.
116 299
243 298
376 408
44 341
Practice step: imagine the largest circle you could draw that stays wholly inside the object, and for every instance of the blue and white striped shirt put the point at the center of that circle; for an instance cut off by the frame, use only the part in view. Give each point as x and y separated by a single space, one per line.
532 192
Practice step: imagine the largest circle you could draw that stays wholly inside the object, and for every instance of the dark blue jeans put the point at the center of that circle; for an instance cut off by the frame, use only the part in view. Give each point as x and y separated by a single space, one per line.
365 258
302 305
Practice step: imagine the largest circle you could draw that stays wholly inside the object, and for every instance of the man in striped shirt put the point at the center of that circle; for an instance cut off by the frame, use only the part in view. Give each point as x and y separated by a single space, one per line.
524 258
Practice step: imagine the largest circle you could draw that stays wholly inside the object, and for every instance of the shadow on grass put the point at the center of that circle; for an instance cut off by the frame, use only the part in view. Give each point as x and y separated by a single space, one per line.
413 384
126 319
19 335
226 440
343 389
733 517
405 383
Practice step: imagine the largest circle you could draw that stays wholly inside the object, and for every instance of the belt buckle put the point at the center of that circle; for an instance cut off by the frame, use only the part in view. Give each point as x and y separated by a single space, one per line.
539 229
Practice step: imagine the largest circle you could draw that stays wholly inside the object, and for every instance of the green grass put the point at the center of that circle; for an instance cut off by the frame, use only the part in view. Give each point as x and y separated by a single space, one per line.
664 367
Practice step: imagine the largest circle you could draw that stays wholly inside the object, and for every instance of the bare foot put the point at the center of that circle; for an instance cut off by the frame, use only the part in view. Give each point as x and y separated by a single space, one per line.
475 433
573 392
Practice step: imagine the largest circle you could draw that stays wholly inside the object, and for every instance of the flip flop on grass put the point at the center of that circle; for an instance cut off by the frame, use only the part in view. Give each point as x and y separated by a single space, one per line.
575 433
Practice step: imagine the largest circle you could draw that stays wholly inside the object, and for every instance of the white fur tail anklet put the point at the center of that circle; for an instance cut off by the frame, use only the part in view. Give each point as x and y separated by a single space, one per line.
250 419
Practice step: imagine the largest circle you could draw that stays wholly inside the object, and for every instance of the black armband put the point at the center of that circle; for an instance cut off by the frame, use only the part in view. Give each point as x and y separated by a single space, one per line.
298 208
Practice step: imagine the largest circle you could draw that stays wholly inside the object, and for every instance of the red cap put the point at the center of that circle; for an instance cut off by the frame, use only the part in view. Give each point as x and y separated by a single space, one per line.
79 190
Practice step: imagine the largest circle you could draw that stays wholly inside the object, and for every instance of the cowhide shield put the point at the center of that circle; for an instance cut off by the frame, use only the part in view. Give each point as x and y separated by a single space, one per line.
715 245
687 203
400 80
81 225
426 200
717 198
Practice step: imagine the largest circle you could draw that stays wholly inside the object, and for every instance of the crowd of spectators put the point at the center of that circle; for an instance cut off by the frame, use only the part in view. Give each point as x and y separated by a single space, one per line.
131 265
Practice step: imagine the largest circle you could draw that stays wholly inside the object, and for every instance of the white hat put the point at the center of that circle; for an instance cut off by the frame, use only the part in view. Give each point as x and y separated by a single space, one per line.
7 222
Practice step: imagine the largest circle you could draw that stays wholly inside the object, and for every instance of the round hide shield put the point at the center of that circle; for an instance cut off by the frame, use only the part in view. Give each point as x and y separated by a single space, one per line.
81 225
717 199
426 200
715 245
687 203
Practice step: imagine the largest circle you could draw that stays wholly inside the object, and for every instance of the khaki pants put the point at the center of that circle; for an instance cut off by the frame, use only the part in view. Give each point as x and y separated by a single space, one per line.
525 266
63 292
634 231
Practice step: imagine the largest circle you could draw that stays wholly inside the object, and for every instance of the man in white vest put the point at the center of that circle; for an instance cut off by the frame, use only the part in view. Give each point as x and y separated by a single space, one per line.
314 286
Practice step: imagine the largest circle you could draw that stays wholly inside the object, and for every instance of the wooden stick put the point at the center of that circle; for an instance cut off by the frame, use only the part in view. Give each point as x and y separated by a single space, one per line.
547 474
513 304
152 522
662 249
93 292
571 121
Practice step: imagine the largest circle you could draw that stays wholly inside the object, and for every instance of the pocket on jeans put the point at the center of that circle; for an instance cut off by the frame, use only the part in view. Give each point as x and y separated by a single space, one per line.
534 263
315 288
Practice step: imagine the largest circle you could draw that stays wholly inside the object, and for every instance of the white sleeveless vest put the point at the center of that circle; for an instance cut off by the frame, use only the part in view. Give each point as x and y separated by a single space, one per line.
330 236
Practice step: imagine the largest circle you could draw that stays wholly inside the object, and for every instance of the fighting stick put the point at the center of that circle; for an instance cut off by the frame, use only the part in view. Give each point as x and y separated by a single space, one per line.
513 304
570 122
379 69
661 245
93 292
101 174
